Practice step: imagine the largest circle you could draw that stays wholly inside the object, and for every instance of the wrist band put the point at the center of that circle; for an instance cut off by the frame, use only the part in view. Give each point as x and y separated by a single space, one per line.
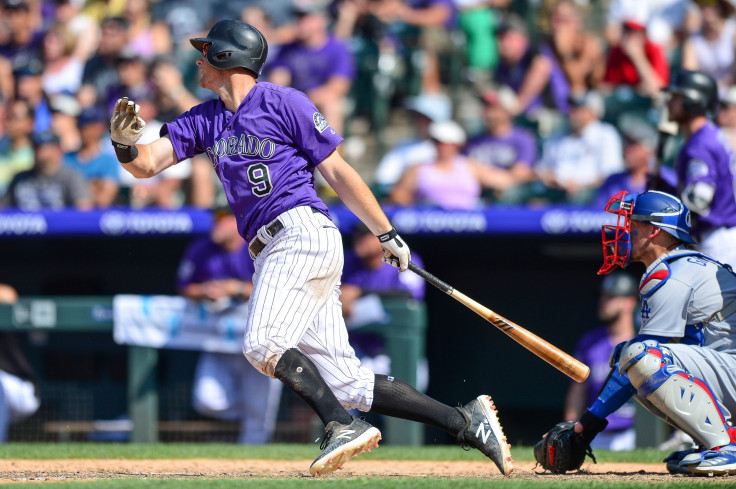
125 153
388 236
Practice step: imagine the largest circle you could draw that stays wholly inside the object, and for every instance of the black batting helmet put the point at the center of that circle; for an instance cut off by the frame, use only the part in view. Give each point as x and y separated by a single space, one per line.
699 90
234 44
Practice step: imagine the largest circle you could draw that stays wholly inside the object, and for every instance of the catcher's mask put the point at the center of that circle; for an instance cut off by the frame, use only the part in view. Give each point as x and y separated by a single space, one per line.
617 238
660 209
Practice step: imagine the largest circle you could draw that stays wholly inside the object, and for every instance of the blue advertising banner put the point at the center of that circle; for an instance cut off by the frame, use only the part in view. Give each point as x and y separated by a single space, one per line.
553 220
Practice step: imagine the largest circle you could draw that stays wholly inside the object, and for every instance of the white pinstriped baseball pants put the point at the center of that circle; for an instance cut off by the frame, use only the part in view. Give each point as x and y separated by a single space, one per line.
295 303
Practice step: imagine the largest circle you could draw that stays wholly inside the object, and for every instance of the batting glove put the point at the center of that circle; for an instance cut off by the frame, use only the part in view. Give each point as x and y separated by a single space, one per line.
397 252
125 126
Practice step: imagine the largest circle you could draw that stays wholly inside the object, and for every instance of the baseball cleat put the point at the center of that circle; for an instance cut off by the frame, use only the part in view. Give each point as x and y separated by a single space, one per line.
342 442
719 461
483 432
674 459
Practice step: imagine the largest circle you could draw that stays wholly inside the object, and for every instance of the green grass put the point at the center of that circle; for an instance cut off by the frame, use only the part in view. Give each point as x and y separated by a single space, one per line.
142 451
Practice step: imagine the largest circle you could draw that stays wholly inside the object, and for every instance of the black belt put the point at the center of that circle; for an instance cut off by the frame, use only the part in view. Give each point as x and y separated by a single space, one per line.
256 245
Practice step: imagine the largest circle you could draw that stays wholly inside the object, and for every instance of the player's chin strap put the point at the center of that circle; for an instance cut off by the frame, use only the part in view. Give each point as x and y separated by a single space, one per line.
617 238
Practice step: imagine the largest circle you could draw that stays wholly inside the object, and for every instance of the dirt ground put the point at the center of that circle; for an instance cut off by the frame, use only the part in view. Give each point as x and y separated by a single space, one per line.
65 470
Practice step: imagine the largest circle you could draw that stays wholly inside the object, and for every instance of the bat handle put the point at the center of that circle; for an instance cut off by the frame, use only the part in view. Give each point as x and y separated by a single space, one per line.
444 287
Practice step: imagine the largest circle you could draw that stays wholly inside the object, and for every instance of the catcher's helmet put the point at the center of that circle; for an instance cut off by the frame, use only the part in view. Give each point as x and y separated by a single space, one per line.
664 211
233 44
699 90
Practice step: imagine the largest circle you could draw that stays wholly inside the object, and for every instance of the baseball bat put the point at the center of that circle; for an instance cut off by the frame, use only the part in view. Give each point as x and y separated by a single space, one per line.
560 360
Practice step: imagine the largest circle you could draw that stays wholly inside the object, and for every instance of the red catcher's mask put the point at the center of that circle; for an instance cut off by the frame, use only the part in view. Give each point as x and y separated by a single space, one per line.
617 238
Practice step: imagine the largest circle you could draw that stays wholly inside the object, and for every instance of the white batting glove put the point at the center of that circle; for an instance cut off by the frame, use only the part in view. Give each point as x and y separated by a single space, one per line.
397 251
125 126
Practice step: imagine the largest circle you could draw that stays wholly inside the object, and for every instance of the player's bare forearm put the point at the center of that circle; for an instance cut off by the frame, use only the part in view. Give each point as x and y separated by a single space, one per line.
152 158
354 192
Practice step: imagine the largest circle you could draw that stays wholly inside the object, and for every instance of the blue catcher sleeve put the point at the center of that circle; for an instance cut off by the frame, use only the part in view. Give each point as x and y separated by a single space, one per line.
615 392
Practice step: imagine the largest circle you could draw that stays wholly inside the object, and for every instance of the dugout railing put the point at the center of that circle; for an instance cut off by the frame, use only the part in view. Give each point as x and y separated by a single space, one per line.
404 333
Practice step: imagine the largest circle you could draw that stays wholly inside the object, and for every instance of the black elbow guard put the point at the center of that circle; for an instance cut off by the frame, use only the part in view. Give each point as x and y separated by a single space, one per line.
125 153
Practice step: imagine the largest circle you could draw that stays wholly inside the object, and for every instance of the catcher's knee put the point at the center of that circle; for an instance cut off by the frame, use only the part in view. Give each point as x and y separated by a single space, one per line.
682 399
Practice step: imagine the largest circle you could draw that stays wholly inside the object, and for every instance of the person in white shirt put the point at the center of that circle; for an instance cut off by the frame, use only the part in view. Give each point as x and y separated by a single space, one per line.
576 163
424 110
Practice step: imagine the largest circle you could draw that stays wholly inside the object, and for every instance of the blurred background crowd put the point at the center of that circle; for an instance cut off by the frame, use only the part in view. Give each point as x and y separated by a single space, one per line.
450 103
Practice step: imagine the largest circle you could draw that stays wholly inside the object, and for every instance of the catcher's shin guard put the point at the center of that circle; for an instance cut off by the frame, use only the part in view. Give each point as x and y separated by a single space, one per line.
686 401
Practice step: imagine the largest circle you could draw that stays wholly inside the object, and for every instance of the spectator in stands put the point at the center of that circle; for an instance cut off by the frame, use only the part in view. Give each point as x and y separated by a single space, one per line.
616 307
426 25
575 164
505 146
317 64
30 88
100 169
726 116
19 392
477 20
100 72
365 278
423 110
171 99
65 110
711 48
277 19
16 151
62 72
134 80
637 62
664 20
146 38
576 51
164 190
640 143
217 271
521 66
48 185
451 181
84 29
170 93
23 43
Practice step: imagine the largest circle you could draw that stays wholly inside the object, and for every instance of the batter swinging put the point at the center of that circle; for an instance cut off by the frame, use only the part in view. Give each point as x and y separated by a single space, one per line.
265 142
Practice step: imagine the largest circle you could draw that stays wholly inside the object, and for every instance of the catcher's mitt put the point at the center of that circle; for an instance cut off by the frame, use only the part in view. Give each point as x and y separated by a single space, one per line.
562 449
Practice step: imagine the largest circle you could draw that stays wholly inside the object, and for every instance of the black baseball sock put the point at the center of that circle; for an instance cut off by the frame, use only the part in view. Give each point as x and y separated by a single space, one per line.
396 398
299 374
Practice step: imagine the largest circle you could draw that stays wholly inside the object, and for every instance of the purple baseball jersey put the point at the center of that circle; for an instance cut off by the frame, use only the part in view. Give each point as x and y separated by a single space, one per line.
518 145
311 68
204 260
383 279
265 154
707 157
594 349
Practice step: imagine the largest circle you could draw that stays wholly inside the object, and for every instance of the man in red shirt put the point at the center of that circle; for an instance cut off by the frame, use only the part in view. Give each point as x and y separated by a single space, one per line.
637 61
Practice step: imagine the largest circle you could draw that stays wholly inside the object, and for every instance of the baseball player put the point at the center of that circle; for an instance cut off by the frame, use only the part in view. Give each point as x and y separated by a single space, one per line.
706 167
681 366
265 142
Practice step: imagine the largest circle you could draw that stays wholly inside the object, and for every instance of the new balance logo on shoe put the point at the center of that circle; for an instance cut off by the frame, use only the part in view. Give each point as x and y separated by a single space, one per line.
345 434
482 429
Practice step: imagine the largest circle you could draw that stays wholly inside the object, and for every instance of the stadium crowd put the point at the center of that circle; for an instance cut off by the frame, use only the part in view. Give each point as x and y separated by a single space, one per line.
503 101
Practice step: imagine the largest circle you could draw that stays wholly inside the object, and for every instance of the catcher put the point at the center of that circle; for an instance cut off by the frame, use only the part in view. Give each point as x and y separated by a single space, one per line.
681 366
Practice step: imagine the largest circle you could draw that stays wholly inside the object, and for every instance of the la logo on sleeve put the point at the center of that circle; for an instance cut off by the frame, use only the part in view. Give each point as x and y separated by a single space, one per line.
320 122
